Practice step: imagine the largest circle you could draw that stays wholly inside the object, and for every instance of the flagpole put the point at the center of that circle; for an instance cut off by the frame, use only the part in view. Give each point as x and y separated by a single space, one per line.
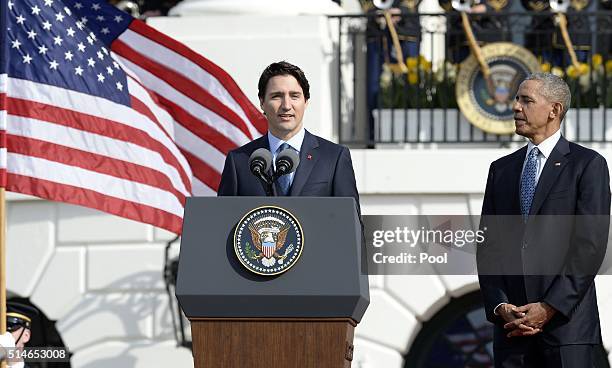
2 261
4 57
2 266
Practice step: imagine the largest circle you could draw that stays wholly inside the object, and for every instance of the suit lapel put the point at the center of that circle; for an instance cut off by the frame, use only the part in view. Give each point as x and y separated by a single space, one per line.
553 167
262 142
512 176
308 159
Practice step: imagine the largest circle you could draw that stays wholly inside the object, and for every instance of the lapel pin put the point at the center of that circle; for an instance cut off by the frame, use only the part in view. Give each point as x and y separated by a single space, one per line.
557 164
309 157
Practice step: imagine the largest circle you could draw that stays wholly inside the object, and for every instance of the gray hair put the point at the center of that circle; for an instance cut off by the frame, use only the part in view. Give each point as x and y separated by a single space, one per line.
554 89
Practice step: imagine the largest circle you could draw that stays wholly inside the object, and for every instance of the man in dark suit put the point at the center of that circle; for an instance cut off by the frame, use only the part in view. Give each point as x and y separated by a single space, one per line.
546 212
325 168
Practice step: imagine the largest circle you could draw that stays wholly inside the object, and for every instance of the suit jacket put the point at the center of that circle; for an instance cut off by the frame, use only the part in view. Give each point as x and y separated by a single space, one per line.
554 256
325 170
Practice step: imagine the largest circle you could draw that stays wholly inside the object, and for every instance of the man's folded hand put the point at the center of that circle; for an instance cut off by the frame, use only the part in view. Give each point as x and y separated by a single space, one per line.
536 315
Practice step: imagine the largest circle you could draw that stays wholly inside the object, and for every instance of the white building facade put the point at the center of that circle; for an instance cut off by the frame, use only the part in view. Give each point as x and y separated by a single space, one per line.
100 277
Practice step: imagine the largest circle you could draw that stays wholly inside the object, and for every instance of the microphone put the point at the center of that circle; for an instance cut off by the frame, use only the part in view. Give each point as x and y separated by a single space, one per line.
287 162
260 161
259 164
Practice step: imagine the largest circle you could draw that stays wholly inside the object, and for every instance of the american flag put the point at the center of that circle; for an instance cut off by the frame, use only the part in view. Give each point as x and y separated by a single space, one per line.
98 109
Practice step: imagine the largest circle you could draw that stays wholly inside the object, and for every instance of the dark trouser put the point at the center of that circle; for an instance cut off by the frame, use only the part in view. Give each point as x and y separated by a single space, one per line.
540 355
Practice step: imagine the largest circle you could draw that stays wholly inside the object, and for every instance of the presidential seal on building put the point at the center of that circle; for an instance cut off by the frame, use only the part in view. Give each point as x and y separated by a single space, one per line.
487 102
268 240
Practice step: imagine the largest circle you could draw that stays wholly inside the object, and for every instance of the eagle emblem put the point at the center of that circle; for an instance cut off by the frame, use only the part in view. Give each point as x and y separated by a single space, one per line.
487 102
268 240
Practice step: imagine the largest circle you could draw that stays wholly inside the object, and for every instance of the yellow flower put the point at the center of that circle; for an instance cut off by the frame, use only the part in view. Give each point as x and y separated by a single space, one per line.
411 63
597 60
412 77
609 67
546 67
557 71
426 65
572 72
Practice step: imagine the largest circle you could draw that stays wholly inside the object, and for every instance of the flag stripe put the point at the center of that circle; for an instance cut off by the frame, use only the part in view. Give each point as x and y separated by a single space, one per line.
200 148
92 162
202 189
182 84
201 169
88 180
2 111
93 199
256 118
149 99
104 133
142 108
165 90
95 144
187 68
195 126
3 124
100 110
3 85
115 115
206 174
160 108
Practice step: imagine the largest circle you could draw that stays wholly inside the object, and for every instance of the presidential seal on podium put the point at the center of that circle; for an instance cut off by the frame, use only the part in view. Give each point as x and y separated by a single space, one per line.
268 240
487 102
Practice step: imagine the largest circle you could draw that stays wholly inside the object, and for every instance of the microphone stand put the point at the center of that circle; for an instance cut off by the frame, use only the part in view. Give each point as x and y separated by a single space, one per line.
267 183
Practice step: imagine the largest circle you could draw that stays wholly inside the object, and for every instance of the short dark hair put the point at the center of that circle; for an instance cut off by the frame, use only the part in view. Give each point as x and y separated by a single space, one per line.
282 68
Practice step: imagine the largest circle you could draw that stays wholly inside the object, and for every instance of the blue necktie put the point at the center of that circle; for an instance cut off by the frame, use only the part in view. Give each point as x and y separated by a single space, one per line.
284 182
528 182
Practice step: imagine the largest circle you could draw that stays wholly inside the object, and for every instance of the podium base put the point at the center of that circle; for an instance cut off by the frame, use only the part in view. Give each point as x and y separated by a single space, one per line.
272 342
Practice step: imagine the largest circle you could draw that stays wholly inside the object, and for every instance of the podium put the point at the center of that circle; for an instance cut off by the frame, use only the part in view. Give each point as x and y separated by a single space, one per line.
304 317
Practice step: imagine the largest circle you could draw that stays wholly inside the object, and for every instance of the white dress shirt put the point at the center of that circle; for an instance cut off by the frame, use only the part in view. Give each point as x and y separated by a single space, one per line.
545 148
